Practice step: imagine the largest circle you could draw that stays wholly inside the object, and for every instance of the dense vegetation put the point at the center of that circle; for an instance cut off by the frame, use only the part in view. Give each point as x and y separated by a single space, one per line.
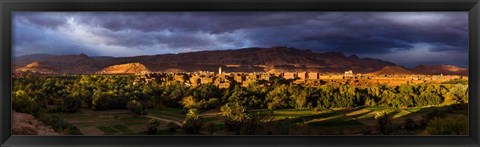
67 93
37 94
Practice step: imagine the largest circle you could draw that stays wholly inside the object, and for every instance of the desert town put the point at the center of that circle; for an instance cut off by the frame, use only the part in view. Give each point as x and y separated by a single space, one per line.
224 79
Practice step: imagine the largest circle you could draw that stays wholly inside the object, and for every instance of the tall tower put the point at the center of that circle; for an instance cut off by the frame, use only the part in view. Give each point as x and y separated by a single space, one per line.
220 70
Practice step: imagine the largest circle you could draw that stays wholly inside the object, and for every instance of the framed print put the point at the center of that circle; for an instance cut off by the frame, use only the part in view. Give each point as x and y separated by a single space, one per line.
240 73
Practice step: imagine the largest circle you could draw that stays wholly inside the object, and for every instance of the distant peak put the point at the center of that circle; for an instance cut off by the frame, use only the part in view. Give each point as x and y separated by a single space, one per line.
392 70
437 66
282 47
353 57
336 53
285 48
422 65
444 65
393 66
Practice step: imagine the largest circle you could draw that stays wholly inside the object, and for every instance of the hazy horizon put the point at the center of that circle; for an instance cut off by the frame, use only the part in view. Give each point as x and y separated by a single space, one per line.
404 38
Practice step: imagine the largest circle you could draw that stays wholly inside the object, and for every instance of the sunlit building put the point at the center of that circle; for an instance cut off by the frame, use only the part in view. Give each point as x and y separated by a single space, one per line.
289 75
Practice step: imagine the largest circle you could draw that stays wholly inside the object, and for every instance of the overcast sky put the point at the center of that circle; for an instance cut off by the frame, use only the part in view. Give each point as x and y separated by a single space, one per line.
404 38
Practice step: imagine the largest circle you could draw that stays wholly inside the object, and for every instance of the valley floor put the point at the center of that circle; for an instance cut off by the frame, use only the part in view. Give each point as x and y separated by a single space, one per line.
336 121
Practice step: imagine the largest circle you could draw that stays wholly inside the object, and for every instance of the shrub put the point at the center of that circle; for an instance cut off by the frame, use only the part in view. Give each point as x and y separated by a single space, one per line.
233 125
435 113
213 103
153 126
384 122
456 81
254 122
457 125
410 123
211 128
172 127
59 124
459 106
71 104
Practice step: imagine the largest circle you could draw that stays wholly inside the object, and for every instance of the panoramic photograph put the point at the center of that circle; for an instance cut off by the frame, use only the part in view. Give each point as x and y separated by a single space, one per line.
239 73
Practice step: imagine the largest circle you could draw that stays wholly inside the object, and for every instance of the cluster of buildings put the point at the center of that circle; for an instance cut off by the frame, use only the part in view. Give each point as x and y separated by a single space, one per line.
225 80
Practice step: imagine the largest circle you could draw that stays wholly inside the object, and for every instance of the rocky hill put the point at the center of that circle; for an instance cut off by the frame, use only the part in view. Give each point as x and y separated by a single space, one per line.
267 59
129 68
440 69
245 60
36 67
275 59
393 70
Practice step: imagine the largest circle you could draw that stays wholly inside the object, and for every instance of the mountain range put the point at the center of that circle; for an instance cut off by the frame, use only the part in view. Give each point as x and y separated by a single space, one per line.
275 59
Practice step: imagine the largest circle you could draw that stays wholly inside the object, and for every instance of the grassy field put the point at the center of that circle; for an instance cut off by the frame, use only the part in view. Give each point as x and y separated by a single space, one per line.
168 113
111 122
336 121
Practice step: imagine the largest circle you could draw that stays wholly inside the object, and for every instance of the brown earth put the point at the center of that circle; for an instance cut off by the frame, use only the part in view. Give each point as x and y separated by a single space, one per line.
26 124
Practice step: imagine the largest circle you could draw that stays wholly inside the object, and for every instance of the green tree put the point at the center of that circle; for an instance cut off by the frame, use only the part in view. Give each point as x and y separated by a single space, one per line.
457 94
136 107
278 98
234 114
189 103
21 102
193 122
174 93
71 103
234 111
299 96
255 121
100 100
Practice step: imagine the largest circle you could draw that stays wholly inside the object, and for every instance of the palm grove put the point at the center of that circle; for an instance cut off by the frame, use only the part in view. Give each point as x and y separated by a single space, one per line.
41 96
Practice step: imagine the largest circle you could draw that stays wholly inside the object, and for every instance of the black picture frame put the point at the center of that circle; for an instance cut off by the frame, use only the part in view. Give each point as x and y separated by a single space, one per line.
9 6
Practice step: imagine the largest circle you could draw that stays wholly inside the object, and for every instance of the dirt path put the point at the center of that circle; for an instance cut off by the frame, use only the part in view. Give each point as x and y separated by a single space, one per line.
211 113
164 119
176 122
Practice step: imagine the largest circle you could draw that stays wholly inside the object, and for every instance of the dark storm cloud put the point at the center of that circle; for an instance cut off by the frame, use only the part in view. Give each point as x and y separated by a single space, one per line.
367 34
214 22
